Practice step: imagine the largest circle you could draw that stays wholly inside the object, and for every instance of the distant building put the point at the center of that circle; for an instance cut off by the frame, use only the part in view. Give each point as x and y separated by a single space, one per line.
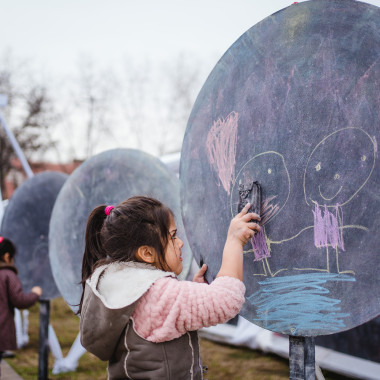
17 175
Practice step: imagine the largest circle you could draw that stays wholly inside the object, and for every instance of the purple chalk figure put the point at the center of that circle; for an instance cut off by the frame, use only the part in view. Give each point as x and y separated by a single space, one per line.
337 169
270 171
327 231
258 241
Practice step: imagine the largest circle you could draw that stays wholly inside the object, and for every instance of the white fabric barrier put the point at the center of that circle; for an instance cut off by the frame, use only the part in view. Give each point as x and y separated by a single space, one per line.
62 364
70 362
244 334
22 326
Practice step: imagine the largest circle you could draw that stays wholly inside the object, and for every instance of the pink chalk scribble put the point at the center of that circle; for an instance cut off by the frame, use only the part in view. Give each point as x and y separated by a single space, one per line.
259 245
375 143
326 228
221 148
268 210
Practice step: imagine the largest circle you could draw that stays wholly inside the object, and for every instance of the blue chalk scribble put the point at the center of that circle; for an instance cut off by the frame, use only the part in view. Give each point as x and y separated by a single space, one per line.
299 303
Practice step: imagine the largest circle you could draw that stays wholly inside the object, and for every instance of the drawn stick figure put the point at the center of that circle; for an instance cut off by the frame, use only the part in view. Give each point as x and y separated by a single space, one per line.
337 169
270 171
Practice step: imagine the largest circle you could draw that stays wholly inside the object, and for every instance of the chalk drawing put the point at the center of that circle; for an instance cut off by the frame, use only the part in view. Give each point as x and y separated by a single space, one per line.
299 303
326 228
334 182
221 148
330 166
269 169
260 246
351 178
348 179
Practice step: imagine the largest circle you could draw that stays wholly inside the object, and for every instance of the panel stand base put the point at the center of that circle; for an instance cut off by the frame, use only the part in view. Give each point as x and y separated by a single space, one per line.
301 358
43 346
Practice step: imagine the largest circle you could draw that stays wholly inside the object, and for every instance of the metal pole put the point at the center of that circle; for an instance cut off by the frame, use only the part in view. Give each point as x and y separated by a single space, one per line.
301 358
1 207
16 147
43 346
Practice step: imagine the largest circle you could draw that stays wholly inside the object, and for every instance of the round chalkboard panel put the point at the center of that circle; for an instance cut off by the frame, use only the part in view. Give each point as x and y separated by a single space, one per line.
107 178
26 223
294 105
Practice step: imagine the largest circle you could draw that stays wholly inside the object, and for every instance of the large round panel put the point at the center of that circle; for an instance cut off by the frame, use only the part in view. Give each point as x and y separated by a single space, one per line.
107 178
294 104
26 224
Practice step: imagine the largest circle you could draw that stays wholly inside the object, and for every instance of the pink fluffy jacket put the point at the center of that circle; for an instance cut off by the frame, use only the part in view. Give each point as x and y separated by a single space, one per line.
167 308
172 307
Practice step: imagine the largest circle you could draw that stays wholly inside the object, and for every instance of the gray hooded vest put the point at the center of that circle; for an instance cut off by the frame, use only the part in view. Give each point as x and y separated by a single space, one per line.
107 329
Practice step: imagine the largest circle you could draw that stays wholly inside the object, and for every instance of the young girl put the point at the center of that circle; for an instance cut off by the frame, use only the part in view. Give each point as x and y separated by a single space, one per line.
11 296
134 311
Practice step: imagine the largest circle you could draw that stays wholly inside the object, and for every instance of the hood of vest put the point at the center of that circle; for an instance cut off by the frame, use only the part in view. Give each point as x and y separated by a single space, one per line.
110 297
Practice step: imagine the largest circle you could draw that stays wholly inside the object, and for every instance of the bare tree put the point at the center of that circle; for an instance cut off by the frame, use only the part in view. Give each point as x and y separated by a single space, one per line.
135 99
181 84
157 102
94 97
30 113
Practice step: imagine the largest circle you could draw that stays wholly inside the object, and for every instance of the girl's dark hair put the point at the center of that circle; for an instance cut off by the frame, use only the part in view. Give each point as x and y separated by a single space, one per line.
116 237
6 246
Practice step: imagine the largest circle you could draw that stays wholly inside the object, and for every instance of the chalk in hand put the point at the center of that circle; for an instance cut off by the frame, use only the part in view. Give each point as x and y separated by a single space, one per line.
250 193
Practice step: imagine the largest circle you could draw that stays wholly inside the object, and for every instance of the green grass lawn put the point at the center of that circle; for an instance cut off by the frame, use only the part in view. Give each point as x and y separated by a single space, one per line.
224 362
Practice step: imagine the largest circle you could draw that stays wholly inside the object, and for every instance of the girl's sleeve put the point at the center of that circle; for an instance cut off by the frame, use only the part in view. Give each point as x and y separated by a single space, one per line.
172 307
16 295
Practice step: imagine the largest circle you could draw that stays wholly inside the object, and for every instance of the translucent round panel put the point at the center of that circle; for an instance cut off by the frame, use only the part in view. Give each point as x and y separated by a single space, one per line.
26 224
107 178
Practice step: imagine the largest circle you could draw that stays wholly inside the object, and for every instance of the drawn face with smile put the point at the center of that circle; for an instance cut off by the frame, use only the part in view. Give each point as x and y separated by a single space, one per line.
269 169
339 166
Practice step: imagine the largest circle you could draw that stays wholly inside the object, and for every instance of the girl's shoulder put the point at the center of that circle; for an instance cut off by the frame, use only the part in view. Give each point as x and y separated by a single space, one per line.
222 281
8 268
122 283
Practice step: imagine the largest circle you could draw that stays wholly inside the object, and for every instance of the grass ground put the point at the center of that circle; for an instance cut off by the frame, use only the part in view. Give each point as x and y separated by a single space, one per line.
224 362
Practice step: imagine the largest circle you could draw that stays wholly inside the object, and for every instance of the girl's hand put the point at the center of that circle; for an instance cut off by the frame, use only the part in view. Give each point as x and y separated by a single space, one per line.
240 231
199 277
241 228
37 290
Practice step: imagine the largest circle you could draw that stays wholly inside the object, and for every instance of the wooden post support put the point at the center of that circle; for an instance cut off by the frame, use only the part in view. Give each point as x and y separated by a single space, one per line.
43 346
301 358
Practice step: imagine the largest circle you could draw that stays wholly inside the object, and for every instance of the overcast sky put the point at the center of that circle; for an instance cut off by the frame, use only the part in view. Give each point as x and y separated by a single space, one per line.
53 34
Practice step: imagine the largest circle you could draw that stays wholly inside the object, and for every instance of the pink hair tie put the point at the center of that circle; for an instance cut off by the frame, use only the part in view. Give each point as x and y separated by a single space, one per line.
108 209
1 239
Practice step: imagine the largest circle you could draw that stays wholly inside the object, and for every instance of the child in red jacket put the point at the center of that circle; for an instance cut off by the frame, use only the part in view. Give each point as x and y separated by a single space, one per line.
11 296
